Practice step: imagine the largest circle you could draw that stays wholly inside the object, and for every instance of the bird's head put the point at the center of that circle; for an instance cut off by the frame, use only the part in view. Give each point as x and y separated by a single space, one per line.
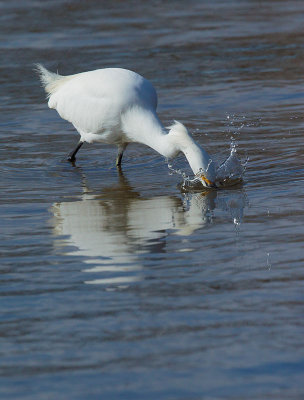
207 178
199 160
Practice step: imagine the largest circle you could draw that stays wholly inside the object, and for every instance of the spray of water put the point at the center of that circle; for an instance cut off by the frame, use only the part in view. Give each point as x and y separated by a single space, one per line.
176 171
232 170
228 173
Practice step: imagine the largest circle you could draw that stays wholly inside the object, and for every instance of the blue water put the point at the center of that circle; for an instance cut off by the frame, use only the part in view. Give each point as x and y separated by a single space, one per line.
124 285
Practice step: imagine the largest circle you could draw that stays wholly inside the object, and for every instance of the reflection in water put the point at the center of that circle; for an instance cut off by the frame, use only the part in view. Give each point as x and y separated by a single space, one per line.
113 230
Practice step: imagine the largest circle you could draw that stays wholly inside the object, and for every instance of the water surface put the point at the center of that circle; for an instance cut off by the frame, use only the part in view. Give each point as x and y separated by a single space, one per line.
121 285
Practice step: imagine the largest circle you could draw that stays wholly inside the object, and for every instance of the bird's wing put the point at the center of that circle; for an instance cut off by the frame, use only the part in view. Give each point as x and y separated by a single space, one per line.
83 108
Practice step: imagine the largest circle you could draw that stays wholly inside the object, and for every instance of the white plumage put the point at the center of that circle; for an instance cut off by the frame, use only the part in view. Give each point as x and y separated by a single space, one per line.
118 106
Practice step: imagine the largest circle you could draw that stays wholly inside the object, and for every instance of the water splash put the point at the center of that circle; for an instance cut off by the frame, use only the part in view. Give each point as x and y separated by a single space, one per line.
229 173
176 171
232 170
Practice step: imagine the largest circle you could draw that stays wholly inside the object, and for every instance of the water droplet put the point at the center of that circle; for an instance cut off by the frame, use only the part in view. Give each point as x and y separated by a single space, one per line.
269 265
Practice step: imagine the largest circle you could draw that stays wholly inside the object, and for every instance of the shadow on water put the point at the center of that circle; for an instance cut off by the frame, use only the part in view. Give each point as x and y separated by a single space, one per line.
116 230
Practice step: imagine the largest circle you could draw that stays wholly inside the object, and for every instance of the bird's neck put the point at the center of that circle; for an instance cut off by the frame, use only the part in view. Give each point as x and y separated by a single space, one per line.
144 126
197 157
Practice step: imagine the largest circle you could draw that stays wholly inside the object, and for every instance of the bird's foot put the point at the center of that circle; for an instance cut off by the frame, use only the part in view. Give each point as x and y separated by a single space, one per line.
71 156
71 159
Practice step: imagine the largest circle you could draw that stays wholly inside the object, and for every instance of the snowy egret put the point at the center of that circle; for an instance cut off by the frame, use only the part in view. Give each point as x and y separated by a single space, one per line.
118 106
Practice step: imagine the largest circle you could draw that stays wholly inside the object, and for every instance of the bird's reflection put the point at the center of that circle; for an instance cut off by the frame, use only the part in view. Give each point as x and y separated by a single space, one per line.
114 229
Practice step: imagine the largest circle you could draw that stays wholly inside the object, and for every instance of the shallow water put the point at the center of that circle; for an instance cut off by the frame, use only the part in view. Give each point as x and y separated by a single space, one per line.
123 286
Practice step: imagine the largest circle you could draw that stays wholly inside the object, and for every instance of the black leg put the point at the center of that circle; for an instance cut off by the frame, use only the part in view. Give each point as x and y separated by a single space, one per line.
118 159
72 154
121 149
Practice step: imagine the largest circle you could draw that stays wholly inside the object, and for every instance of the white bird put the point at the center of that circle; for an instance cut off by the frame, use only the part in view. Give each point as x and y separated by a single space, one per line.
118 106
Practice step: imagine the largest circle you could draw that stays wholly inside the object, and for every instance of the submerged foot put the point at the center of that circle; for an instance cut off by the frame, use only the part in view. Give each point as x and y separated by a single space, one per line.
71 156
71 159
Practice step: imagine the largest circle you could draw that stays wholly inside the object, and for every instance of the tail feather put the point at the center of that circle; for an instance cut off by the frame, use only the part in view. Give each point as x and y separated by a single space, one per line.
50 80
